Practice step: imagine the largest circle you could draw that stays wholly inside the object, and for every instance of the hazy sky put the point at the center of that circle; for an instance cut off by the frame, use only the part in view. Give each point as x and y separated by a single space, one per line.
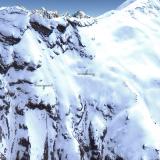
92 7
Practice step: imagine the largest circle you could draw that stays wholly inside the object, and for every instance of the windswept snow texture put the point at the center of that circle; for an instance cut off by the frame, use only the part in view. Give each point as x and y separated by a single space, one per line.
80 88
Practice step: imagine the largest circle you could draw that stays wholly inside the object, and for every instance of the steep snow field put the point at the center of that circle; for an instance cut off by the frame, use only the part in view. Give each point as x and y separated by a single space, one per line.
80 88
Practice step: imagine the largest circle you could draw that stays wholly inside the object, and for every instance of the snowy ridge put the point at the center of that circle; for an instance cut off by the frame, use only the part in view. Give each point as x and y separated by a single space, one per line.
80 88
148 7
138 3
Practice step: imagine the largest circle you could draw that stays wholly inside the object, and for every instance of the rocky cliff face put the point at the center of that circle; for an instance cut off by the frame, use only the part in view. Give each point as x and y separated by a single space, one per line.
80 88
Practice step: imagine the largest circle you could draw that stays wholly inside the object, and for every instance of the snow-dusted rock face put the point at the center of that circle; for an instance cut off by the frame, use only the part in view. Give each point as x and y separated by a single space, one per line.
80 89
80 14
46 14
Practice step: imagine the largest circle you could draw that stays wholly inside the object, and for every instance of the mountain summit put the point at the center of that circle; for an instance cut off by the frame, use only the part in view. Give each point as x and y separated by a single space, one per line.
79 87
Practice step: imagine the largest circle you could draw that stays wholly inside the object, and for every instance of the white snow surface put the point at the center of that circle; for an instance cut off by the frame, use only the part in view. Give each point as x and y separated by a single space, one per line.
79 89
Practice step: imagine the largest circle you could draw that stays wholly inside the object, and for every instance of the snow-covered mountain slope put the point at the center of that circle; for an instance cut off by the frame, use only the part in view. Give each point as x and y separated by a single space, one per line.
80 88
